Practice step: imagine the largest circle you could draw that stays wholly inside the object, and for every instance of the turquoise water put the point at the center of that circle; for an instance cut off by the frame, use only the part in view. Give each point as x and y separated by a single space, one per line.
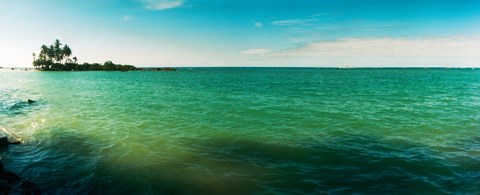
245 130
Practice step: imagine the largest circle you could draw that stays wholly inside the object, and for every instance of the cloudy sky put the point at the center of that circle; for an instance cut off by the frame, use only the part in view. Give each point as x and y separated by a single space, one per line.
246 32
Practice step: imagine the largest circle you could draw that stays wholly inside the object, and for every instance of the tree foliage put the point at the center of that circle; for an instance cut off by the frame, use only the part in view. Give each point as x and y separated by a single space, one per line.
57 58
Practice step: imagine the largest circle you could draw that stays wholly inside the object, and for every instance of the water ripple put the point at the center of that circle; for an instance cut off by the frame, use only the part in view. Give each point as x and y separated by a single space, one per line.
228 131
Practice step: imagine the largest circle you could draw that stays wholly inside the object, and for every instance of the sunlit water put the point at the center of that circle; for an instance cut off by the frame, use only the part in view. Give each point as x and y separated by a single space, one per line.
245 130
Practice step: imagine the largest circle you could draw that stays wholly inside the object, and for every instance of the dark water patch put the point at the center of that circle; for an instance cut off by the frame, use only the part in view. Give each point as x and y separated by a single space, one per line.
346 165
66 159
73 163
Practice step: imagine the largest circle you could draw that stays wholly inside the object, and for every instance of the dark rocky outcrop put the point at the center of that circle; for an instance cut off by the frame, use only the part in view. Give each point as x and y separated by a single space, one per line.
28 187
5 187
9 182
4 142
166 69
7 179
10 177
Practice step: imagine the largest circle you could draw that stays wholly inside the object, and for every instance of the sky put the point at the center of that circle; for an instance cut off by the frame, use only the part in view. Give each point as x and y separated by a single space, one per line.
280 33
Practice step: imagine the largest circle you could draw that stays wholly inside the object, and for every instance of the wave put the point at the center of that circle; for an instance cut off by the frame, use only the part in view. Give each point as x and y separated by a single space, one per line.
13 137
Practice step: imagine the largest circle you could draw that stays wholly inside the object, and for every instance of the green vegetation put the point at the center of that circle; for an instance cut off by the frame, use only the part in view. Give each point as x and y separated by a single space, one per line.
57 58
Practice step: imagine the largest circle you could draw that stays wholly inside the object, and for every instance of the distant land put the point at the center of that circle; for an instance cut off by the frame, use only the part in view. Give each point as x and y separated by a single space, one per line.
57 58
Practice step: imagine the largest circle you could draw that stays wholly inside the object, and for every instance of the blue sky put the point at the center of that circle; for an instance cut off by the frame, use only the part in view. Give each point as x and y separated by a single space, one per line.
246 33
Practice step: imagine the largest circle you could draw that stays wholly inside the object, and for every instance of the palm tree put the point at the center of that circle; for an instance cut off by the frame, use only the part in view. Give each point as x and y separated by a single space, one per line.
51 53
75 60
44 52
57 44
66 52
57 51
44 58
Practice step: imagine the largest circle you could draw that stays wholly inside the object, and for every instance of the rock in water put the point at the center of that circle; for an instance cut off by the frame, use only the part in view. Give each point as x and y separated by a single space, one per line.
3 142
9 177
29 188
4 187
15 142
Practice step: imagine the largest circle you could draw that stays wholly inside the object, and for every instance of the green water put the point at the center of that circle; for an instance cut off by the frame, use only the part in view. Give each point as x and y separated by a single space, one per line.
241 130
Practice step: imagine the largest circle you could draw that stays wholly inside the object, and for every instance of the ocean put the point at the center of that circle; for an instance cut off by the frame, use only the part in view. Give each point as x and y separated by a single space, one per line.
245 130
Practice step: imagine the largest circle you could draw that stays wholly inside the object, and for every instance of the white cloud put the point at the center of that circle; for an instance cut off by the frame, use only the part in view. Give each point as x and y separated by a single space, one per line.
294 22
258 24
162 4
128 18
318 15
455 46
257 51
439 51
430 47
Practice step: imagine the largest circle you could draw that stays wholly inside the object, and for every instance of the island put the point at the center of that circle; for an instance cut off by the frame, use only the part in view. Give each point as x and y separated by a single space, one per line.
56 57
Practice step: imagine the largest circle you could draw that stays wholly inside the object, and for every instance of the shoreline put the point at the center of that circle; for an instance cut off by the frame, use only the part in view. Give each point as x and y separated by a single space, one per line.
8 69
169 69
11 182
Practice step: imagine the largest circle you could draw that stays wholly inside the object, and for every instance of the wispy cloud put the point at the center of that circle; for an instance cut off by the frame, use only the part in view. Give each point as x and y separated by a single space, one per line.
294 22
457 50
128 18
162 4
256 51
258 24
318 15
300 22
454 46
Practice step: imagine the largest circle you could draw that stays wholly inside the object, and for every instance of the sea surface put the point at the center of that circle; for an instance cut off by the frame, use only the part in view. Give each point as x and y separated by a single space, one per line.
245 130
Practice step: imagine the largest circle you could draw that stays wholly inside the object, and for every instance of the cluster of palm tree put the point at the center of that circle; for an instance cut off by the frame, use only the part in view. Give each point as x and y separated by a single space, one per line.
51 57
57 58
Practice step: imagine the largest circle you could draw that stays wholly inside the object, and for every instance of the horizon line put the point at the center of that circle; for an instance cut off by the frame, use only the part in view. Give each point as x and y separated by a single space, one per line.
310 67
